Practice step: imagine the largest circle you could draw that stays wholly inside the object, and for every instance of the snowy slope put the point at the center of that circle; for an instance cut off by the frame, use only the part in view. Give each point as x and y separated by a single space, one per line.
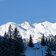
37 52
36 29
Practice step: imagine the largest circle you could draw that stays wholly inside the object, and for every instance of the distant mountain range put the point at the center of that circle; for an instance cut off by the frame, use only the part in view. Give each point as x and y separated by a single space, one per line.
36 30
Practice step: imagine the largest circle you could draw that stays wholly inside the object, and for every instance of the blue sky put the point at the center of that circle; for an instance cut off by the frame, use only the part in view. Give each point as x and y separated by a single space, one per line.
27 10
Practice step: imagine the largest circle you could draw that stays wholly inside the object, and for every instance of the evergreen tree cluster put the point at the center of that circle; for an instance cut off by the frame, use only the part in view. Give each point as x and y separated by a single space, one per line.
11 44
49 42
48 53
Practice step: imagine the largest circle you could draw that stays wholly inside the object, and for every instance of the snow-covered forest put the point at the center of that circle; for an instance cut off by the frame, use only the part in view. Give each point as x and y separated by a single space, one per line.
28 39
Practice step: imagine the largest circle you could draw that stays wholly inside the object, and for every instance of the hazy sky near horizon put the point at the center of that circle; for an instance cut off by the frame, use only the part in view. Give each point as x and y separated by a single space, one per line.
27 10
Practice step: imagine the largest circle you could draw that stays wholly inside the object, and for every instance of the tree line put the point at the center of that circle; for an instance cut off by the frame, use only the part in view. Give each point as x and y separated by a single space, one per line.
50 43
11 44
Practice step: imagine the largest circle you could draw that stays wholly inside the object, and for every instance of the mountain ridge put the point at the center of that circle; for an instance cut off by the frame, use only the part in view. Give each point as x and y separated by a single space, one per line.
36 30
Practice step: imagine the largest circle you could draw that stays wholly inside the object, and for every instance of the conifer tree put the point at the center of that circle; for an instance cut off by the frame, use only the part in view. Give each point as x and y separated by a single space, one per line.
10 40
49 42
48 53
46 41
10 31
19 46
55 43
43 41
31 42
16 32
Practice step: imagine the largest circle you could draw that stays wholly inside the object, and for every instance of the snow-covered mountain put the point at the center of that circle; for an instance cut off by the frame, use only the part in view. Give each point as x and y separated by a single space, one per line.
36 29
